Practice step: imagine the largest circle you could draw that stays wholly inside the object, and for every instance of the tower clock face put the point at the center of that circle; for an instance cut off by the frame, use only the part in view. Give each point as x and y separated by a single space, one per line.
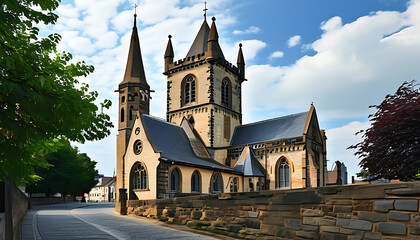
138 146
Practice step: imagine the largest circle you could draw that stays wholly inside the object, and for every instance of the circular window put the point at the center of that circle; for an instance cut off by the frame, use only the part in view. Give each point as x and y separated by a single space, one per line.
138 146
137 131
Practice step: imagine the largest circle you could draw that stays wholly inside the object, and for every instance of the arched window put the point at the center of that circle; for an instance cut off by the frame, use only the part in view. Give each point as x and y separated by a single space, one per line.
283 174
189 90
234 185
216 183
131 113
195 182
226 91
139 177
175 180
122 114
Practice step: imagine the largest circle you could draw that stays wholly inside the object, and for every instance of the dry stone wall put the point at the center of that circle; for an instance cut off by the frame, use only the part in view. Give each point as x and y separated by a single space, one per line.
373 211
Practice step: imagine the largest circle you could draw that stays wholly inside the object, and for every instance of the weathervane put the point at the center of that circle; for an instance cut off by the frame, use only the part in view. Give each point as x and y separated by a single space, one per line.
205 9
135 9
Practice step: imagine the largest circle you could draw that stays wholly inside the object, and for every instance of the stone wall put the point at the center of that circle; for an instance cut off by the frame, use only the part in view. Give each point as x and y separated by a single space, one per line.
15 207
373 211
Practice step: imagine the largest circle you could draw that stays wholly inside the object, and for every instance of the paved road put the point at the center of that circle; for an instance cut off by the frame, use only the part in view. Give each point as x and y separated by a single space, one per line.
93 221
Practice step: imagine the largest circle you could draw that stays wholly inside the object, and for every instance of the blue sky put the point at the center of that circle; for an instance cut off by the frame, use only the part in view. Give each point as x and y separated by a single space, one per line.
341 55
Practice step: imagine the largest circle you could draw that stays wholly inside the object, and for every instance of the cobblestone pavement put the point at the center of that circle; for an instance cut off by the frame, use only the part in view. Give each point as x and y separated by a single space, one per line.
93 221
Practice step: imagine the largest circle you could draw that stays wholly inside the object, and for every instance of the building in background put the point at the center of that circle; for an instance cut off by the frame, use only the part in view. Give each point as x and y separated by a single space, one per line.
338 176
104 191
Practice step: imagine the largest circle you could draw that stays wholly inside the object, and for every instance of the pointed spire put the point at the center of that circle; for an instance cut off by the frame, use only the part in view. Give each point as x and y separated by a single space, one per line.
169 54
200 42
213 46
241 61
134 71
213 35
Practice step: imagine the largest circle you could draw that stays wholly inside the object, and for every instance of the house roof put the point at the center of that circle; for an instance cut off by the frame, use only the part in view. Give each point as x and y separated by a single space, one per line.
272 129
174 145
248 164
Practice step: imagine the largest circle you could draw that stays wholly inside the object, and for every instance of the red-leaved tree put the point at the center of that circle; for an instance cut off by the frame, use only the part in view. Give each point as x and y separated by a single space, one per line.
391 146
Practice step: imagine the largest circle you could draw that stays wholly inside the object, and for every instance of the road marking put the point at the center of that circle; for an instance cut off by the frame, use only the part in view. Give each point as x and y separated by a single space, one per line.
119 236
37 235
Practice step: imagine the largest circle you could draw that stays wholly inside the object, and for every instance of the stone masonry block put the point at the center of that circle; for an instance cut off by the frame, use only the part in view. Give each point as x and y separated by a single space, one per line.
354 224
397 216
311 220
333 236
312 213
268 229
372 236
307 235
196 215
343 209
351 231
282 232
392 228
327 221
330 229
414 229
362 205
294 224
407 205
252 223
373 217
310 228
252 214
384 205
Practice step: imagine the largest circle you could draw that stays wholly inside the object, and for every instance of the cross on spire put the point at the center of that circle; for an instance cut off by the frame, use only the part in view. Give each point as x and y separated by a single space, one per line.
135 9
205 9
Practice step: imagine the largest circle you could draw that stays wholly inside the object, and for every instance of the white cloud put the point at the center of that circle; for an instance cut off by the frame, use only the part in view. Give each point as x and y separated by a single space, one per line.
294 41
339 139
332 24
251 29
355 65
277 54
250 49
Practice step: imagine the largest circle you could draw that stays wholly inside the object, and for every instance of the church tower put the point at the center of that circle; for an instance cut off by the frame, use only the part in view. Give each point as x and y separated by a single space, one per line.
205 89
134 96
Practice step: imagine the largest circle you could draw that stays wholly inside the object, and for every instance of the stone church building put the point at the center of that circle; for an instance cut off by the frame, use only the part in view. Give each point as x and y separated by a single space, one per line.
202 147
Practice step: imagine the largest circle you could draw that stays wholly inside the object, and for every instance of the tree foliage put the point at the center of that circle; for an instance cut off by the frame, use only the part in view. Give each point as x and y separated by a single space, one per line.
40 96
391 146
69 172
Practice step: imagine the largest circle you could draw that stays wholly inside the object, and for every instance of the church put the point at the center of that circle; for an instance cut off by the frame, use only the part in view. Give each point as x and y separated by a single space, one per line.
202 147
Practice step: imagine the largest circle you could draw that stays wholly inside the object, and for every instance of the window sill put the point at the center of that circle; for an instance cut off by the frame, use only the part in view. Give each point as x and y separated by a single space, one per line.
141 190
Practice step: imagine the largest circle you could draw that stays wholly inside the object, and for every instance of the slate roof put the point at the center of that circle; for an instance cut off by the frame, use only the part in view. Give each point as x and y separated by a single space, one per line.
200 43
272 129
174 145
248 164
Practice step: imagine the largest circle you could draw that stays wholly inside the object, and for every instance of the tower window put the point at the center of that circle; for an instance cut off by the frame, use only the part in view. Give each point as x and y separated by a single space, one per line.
123 99
226 92
226 127
131 113
189 90
122 114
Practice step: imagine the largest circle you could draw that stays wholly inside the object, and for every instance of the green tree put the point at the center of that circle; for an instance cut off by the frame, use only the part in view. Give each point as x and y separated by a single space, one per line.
69 172
391 146
40 96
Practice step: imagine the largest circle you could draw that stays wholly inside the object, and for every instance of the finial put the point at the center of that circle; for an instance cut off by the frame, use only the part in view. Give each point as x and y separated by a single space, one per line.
135 15
240 45
205 10
169 36
213 19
